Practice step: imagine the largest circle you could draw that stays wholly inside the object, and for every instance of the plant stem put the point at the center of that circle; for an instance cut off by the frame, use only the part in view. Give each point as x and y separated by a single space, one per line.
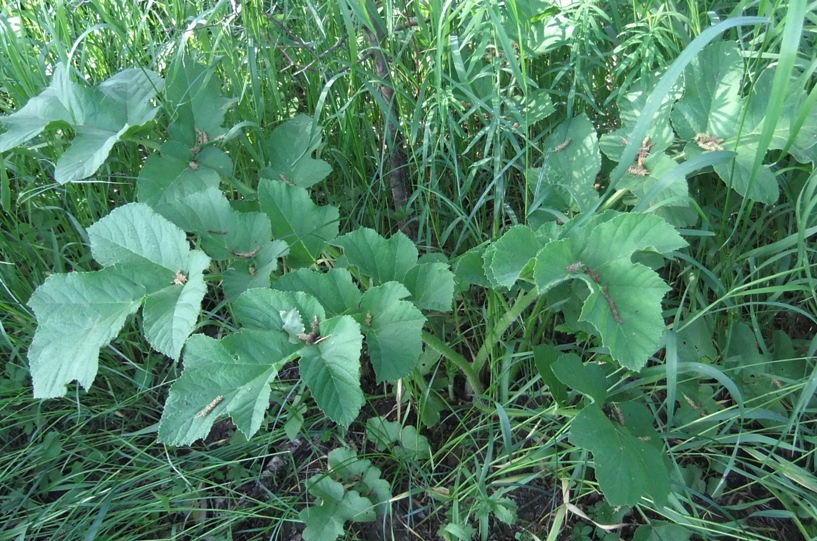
443 348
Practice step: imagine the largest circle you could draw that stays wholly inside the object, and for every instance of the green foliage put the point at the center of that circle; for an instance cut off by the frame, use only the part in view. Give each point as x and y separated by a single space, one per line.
501 133
386 434
620 299
147 261
100 117
352 490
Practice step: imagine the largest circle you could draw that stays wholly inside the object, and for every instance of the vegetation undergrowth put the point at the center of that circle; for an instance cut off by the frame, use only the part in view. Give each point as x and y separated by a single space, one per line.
522 270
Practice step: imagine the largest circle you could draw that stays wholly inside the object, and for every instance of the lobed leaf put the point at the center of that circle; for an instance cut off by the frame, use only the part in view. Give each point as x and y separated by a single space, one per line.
77 314
431 286
394 331
626 467
508 256
100 117
624 234
335 289
262 308
168 178
297 220
194 98
381 259
566 180
134 235
331 369
245 274
170 315
238 369
291 147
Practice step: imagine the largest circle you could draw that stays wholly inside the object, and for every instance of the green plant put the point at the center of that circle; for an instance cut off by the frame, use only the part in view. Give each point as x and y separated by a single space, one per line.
318 317
497 134
351 490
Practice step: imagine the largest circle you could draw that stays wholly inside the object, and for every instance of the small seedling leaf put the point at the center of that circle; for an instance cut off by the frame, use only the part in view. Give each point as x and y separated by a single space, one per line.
263 308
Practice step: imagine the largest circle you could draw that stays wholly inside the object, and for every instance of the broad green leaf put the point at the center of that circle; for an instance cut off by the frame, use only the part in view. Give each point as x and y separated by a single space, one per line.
381 259
100 117
394 331
709 117
536 106
238 369
225 233
551 262
357 508
254 272
626 468
344 464
711 102
470 268
379 489
335 289
322 523
77 314
628 318
382 432
168 178
170 315
588 379
661 531
696 404
298 221
195 102
52 105
737 173
507 257
325 488
431 286
630 106
291 147
331 369
624 234
262 308
414 444
135 235
566 180
541 25
646 175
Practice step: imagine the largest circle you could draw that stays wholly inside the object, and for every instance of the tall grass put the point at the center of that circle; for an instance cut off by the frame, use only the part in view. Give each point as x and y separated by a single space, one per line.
461 73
